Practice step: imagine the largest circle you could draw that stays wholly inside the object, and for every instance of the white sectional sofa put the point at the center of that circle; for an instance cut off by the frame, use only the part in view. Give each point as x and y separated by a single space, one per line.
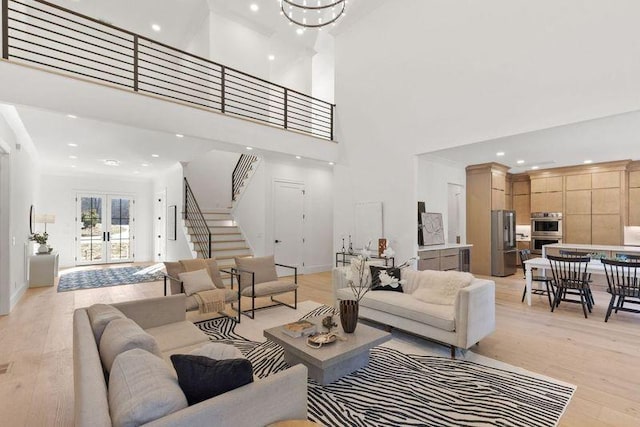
461 324
279 397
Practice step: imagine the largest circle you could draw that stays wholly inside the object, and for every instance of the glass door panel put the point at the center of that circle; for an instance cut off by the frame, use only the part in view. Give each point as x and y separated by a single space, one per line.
119 238
91 230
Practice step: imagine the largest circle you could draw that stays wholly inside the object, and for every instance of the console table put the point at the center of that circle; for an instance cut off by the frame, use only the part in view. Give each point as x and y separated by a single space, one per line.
344 258
43 269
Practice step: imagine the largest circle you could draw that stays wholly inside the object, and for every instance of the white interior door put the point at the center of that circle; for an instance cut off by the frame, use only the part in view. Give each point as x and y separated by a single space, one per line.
160 226
105 232
288 225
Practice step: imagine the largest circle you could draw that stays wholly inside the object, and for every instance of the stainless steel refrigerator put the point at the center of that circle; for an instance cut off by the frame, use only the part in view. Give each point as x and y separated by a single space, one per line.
503 243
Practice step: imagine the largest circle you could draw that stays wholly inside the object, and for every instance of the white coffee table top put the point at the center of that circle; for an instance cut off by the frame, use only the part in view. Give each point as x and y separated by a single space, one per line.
363 339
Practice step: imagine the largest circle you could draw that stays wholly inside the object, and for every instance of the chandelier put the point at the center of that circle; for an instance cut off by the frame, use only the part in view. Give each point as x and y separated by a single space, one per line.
312 13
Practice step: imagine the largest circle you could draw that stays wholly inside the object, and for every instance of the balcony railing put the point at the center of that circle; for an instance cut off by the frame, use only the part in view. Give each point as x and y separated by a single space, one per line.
52 37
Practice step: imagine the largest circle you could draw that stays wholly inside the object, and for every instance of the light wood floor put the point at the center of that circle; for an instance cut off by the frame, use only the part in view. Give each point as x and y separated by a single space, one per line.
602 359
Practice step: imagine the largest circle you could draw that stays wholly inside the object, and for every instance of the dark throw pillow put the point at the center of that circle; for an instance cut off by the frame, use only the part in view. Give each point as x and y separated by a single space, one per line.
376 285
201 378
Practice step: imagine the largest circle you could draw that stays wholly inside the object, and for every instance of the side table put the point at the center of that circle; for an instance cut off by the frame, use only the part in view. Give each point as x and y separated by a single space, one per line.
43 269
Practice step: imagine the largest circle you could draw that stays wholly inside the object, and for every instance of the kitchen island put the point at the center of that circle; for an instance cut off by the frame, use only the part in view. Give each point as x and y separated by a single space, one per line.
607 250
448 256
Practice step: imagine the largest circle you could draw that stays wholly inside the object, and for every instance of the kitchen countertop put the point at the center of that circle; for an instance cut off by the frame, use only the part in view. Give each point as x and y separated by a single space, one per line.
445 246
594 248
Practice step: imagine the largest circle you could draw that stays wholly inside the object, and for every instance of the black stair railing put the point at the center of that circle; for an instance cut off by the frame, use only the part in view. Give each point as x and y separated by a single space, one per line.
240 173
200 231
49 36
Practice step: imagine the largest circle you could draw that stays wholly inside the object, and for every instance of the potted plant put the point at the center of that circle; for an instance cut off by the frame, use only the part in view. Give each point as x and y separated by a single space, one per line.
41 239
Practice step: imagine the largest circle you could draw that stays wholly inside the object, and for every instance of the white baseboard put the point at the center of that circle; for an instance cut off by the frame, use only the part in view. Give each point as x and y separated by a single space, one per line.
15 298
310 269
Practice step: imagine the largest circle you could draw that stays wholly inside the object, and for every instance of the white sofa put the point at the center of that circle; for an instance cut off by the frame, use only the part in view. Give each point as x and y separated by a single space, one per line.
461 324
279 397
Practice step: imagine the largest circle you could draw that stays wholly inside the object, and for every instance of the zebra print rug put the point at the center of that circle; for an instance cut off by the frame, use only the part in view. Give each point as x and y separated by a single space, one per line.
401 389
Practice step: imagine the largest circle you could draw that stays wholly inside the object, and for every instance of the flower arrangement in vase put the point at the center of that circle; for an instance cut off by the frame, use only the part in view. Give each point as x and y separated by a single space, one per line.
41 239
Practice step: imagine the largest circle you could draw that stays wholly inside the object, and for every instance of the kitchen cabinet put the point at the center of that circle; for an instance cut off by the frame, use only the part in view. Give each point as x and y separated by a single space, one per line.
546 202
546 184
605 229
442 257
521 245
577 228
578 182
578 202
606 180
522 206
634 197
605 201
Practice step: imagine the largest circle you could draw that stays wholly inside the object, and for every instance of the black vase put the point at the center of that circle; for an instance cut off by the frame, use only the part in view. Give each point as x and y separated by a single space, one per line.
349 315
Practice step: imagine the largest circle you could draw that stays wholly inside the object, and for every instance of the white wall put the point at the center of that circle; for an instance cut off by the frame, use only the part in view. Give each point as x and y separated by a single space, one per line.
434 175
446 73
172 181
255 211
58 195
19 187
210 178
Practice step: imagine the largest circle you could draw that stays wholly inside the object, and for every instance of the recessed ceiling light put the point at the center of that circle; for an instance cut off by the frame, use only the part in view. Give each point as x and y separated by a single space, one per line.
300 31
331 163
73 157
136 172
500 153
155 155
298 157
535 167
72 166
179 135
520 162
71 144
145 164
112 162
71 116
586 162
271 57
156 27
249 148
254 7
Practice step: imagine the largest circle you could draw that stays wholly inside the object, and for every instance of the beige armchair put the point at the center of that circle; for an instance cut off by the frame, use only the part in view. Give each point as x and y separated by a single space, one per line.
174 269
257 278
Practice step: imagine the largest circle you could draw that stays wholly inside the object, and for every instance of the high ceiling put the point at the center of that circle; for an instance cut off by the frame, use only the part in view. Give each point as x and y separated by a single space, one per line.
601 140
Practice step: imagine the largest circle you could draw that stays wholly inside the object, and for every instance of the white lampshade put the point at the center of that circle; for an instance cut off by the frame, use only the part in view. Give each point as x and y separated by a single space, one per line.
45 219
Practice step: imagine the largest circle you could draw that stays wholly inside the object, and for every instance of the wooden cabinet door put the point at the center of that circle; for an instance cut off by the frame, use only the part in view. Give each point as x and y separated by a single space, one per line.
498 181
538 202
605 201
606 230
634 179
577 229
554 183
497 199
520 188
606 180
554 202
522 206
578 202
578 182
538 185
634 206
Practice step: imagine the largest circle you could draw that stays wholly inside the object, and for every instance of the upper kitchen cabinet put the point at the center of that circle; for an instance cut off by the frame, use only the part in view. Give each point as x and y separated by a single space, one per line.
546 193
634 194
521 198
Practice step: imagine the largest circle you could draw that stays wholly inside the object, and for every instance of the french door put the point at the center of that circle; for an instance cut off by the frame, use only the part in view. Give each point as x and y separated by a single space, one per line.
105 232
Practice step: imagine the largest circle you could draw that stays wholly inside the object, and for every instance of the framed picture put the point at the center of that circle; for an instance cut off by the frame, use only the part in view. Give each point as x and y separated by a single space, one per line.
432 229
171 223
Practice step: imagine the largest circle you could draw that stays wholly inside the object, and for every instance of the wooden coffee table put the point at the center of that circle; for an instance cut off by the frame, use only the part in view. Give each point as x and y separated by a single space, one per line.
331 361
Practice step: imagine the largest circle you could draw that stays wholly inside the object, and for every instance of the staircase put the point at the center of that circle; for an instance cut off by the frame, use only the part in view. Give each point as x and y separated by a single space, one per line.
241 174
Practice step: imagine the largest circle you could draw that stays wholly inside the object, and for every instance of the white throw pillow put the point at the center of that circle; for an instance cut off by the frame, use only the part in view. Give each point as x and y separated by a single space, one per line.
121 335
142 388
218 351
196 281
440 287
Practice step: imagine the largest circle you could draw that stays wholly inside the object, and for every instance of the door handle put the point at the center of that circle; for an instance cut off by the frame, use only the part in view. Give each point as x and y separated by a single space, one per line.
278 241
108 236
104 236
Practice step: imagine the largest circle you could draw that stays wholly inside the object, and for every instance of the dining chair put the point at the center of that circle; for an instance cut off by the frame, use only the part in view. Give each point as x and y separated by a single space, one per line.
624 284
570 278
525 254
580 254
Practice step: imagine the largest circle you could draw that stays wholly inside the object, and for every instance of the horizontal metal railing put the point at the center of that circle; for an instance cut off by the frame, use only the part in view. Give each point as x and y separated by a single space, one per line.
47 35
